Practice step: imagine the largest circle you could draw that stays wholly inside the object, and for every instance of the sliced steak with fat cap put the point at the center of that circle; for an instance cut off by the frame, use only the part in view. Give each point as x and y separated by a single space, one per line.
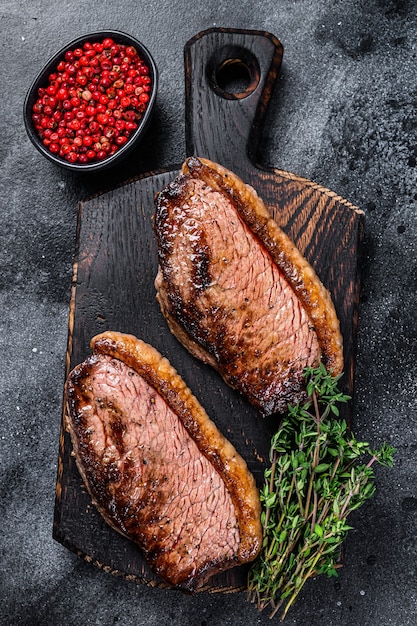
236 291
157 468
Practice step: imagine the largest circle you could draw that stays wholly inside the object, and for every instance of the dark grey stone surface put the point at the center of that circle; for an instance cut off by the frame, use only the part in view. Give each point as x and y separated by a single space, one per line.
345 115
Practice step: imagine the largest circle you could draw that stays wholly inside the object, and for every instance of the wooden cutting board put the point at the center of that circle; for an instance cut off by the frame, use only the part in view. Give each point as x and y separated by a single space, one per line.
229 78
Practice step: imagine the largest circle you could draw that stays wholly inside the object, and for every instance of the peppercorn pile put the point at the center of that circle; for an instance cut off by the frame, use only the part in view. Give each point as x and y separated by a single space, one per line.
93 102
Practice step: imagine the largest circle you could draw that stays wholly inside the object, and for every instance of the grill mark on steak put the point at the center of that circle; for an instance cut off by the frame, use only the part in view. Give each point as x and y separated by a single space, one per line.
235 290
155 465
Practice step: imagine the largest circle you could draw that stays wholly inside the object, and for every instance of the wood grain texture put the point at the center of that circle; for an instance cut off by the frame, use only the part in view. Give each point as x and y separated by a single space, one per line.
116 264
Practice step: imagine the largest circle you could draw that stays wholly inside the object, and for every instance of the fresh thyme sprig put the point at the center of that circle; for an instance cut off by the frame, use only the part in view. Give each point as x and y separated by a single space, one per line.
319 474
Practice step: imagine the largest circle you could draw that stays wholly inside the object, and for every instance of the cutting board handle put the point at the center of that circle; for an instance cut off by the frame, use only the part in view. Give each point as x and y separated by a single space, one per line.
229 78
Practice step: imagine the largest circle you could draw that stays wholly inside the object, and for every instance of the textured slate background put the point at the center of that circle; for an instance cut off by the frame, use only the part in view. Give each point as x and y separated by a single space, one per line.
345 115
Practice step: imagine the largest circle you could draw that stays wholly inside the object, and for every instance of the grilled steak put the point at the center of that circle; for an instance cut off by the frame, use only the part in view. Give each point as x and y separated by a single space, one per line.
156 466
236 291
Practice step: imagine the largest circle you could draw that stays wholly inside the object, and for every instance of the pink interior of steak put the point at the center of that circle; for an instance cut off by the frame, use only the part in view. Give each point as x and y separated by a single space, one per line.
249 318
148 474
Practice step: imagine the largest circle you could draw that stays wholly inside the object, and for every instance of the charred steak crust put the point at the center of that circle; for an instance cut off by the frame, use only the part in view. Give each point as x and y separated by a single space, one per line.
236 291
157 468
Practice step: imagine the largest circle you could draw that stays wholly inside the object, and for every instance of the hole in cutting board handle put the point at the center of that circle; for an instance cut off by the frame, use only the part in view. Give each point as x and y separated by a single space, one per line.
233 72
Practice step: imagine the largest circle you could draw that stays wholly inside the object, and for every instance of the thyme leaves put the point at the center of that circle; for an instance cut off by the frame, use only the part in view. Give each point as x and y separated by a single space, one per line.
319 473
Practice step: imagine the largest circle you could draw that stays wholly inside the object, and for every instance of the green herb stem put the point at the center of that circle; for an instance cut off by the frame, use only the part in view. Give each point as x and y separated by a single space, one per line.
316 479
